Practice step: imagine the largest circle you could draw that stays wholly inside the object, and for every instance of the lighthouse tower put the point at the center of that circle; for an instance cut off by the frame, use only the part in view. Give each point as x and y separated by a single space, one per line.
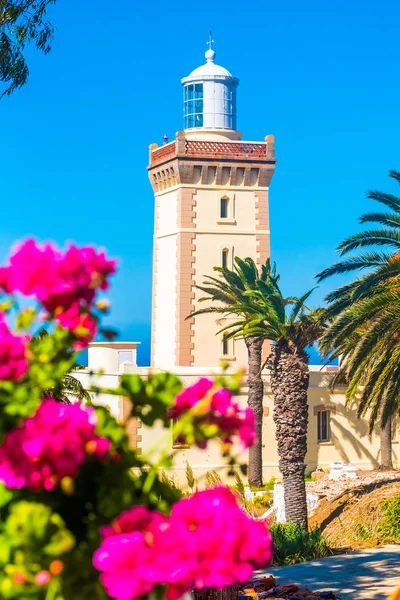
211 204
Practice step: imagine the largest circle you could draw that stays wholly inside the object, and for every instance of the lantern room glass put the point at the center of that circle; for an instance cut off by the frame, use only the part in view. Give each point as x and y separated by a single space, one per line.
193 105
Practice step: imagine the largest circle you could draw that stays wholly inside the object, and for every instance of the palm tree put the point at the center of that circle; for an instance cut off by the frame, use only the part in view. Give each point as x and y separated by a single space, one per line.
69 388
264 314
292 327
230 293
366 318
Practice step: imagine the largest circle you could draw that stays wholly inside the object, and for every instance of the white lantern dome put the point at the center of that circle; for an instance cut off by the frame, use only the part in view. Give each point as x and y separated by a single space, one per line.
210 96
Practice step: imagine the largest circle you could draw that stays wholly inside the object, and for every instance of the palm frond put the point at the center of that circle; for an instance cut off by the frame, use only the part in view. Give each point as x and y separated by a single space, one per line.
363 261
389 200
387 219
374 237
298 305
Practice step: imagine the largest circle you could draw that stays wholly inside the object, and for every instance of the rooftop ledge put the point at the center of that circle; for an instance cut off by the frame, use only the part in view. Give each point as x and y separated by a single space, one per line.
185 148
114 345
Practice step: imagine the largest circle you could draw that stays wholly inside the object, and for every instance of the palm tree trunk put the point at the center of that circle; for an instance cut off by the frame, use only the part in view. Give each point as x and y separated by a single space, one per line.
386 446
289 385
255 401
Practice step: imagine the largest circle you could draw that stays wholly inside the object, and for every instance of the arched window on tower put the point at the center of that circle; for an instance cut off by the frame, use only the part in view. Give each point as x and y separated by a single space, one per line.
224 207
225 258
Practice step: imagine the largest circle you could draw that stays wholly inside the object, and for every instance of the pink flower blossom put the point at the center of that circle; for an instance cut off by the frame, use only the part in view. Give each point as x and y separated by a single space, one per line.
13 362
208 541
190 396
58 280
32 270
42 578
126 556
81 324
64 283
229 544
49 446
208 406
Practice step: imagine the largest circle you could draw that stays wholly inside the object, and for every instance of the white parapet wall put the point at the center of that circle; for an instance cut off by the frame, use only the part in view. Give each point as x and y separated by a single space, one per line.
348 439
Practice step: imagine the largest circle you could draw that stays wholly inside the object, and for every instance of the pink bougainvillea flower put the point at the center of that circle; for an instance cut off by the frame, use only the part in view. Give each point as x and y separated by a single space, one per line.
50 446
81 324
186 399
207 542
32 270
64 283
230 544
56 279
13 350
212 406
126 556
42 578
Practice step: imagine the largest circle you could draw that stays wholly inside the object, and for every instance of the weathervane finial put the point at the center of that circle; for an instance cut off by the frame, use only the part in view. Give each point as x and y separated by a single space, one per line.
210 41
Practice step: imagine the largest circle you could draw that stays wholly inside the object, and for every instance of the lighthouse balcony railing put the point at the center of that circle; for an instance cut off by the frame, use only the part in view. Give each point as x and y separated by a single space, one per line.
247 150
163 153
253 151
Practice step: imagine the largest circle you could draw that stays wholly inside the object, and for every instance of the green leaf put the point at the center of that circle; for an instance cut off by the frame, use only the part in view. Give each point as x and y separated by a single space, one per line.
152 397
5 495
25 319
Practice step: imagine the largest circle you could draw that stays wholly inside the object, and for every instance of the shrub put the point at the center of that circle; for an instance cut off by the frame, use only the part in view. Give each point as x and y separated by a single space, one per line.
389 527
294 544
267 487
263 501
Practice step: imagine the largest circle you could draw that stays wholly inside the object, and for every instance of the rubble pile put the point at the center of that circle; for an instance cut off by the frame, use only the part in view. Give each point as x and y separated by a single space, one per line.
330 488
267 589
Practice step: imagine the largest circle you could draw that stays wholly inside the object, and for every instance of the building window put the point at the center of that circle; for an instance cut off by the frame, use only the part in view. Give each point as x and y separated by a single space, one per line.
225 345
225 257
224 206
124 356
323 424
193 105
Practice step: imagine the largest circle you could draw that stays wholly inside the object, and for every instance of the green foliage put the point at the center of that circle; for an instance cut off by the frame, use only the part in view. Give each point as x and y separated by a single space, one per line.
32 536
51 360
268 486
170 481
151 397
239 485
362 532
22 22
190 478
365 314
212 480
389 527
255 298
294 544
263 501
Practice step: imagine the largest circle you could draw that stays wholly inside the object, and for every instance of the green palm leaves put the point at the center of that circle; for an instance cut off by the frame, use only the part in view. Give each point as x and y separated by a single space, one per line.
366 313
255 299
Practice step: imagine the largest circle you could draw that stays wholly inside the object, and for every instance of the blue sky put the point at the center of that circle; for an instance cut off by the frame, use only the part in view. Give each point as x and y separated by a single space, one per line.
322 77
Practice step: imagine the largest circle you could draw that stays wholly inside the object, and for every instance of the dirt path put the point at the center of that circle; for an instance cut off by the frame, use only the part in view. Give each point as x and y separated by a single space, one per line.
371 574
